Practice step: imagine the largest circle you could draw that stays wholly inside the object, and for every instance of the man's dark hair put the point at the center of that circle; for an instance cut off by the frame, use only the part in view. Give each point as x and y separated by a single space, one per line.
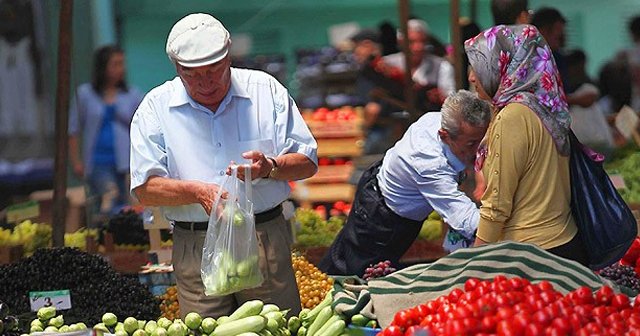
505 12
634 27
546 17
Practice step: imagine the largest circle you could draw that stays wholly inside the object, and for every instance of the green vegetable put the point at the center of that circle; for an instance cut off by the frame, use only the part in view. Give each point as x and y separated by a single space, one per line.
278 316
130 324
99 326
160 331
109 319
151 326
193 320
326 325
335 329
359 320
324 315
51 329
121 333
272 325
163 322
310 317
119 326
141 324
46 313
208 324
139 332
270 307
246 324
35 328
65 328
176 329
294 324
249 334
249 308
302 331
38 323
372 324
223 320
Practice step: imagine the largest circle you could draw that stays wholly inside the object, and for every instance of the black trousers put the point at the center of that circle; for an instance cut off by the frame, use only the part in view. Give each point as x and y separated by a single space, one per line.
372 232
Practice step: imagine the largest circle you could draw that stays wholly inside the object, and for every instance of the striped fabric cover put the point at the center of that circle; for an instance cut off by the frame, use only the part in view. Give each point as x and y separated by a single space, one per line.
420 283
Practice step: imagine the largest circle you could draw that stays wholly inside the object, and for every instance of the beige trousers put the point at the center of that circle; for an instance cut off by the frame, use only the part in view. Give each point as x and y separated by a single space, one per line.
279 287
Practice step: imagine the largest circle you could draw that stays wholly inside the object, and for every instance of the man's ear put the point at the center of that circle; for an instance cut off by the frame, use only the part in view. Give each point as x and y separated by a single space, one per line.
444 135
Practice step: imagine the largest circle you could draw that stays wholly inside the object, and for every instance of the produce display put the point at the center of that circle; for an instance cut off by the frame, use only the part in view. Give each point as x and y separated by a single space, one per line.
319 321
314 230
31 235
169 306
517 307
127 228
78 239
94 286
380 269
431 227
312 283
627 166
8 322
622 275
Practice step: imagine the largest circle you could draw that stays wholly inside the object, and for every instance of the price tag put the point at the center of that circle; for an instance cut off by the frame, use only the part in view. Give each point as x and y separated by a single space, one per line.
60 299
627 122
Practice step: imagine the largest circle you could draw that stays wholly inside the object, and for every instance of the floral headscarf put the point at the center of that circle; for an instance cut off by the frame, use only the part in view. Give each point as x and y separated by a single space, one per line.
515 65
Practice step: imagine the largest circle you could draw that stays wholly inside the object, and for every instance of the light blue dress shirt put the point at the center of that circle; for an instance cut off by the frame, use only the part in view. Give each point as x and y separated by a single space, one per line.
86 116
173 136
420 174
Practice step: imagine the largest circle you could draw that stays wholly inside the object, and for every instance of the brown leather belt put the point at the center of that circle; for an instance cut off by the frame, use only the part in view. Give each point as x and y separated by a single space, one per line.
260 218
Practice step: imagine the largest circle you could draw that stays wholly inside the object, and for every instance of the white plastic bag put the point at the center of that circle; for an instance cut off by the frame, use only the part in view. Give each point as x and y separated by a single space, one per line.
230 253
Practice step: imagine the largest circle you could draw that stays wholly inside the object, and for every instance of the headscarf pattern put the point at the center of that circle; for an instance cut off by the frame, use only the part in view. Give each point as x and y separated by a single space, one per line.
514 64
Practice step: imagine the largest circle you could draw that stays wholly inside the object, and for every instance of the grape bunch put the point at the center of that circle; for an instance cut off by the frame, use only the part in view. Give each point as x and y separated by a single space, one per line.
623 275
380 269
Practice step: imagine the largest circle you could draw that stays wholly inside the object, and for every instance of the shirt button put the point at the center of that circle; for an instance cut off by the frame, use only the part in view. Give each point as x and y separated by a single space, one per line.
221 172
498 117
495 172
497 154
497 136
218 145
495 190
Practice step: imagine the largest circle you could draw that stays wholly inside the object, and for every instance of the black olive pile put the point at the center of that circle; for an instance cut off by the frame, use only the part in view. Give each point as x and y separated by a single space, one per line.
95 287
623 275
127 228
8 323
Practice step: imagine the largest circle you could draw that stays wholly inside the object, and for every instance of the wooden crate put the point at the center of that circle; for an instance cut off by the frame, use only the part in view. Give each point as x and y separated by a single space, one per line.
332 174
306 193
10 254
335 129
340 146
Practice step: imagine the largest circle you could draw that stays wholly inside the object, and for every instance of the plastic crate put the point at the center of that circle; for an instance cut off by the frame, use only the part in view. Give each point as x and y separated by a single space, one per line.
362 331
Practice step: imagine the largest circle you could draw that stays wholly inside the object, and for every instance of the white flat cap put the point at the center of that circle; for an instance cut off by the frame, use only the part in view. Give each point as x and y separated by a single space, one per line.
198 39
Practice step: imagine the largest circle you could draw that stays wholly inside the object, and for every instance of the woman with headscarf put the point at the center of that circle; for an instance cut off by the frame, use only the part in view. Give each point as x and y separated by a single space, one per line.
526 159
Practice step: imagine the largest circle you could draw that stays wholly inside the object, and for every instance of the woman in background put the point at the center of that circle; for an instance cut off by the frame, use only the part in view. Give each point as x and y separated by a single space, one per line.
99 124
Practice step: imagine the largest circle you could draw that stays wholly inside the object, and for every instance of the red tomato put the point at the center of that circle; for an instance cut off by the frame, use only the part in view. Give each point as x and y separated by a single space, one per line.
634 321
541 318
423 310
433 305
499 278
562 325
469 297
462 312
604 295
620 301
403 319
488 324
392 331
521 320
583 295
455 327
532 289
455 295
417 331
533 330
505 313
547 297
545 286
507 328
600 311
471 284
516 283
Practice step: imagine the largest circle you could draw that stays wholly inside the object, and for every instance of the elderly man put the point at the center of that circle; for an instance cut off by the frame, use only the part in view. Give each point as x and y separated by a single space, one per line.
418 175
430 71
184 136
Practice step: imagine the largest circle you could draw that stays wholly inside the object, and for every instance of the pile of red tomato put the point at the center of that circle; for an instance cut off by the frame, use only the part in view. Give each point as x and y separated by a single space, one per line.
517 307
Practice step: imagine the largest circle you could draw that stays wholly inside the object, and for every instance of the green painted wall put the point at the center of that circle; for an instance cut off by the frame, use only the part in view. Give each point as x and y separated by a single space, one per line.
280 26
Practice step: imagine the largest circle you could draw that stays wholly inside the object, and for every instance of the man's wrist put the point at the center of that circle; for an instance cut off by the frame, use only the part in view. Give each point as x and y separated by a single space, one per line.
274 167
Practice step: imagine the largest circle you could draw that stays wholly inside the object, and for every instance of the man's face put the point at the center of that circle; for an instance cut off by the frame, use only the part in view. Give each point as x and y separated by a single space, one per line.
207 84
363 50
465 145
417 45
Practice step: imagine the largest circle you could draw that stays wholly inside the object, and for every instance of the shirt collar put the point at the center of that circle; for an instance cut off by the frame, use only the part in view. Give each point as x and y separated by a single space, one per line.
181 97
453 160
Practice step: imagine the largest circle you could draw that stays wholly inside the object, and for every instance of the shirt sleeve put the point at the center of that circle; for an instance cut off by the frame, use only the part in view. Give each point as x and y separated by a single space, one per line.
505 163
446 80
292 133
456 209
148 152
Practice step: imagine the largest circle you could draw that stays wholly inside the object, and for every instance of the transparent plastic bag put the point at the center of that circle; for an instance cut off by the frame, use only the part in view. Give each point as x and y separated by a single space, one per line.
230 253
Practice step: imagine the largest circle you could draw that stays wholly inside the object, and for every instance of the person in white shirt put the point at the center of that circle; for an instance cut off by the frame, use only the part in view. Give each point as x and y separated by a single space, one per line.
428 70
184 136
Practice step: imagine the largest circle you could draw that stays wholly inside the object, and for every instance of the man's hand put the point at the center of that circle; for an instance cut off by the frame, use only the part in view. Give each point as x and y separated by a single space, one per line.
206 194
260 165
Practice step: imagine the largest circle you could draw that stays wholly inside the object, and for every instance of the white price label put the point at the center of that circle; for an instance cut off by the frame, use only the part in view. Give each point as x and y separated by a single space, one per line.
60 299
